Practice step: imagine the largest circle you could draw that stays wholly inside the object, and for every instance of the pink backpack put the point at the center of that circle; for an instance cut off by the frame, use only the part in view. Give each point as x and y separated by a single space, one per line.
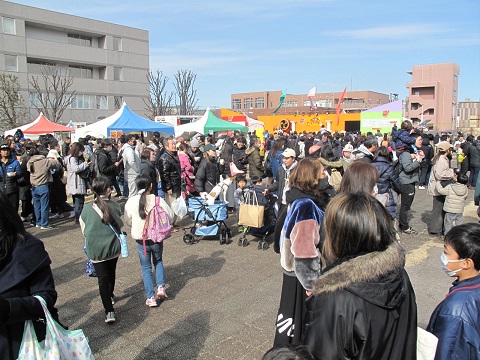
157 225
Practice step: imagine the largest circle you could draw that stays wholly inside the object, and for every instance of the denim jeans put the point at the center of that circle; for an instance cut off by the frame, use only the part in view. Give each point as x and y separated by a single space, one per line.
154 254
78 201
41 204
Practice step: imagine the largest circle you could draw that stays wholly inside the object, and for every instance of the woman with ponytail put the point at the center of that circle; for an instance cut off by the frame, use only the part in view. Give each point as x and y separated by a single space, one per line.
101 242
137 209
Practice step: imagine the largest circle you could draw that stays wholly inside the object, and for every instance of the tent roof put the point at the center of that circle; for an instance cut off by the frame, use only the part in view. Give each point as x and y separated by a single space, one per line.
23 127
44 126
99 128
208 122
129 121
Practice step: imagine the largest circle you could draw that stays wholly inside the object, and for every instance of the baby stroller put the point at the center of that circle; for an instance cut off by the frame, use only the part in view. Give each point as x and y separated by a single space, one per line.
269 219
208 221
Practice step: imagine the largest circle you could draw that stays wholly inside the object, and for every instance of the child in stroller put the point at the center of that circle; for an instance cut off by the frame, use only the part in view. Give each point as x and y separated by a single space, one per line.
267 201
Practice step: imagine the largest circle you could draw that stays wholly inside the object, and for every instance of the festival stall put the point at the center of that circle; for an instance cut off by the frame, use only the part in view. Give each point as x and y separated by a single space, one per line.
40 126
207 124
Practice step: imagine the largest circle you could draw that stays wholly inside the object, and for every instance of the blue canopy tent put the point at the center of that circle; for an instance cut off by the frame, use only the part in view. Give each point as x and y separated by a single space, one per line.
129 121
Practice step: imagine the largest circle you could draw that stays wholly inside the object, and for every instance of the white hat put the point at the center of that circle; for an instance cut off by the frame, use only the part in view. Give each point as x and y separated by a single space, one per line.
289 153
348 148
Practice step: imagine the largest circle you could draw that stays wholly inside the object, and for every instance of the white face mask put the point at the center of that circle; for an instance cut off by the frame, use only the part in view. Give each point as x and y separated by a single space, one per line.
445 261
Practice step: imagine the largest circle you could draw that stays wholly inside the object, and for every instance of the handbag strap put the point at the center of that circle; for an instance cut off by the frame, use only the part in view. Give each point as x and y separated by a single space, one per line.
113 229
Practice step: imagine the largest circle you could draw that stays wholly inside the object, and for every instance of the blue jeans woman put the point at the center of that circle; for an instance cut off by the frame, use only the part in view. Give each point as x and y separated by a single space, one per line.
154 253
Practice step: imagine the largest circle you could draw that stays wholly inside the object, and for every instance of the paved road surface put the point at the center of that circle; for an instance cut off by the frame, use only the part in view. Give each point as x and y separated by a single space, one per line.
222 298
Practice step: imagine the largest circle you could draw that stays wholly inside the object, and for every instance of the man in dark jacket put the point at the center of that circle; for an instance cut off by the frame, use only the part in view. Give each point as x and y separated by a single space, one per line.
105 165
10 172
255 164
208 173
226 156
365 151
170 173
66 146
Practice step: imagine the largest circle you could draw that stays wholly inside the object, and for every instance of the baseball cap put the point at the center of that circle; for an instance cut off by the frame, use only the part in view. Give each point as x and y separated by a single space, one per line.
209 147
4 147
289 153
444 145
348 148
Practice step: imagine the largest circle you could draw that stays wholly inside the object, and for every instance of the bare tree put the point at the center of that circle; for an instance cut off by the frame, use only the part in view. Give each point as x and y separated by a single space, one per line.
12 109
52 92
159 102
187 95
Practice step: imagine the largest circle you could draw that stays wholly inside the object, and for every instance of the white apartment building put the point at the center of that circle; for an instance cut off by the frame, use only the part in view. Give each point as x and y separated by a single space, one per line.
109 62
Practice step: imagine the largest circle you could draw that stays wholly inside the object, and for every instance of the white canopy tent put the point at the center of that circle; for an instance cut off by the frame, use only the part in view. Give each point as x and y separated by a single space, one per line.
23 127
99 128
254 124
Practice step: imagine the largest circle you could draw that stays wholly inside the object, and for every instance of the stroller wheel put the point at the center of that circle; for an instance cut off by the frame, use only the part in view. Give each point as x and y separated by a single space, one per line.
240 242
222 238
188 239
263 245
227 237
259 245
244 242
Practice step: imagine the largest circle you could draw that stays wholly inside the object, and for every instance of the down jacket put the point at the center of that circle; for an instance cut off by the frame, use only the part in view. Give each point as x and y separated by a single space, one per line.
363 308
208 175
76 185
300 238
169 168
456 196
440 171
255 164
473 153
388 179
456 322
8 184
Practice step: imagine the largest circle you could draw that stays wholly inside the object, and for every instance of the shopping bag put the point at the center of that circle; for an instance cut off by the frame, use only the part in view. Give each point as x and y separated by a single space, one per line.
251 214
89 268
335 179
234 170
426 344
179 207
58 344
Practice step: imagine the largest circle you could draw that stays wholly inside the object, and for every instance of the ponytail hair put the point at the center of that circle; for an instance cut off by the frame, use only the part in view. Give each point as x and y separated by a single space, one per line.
143 182
100 185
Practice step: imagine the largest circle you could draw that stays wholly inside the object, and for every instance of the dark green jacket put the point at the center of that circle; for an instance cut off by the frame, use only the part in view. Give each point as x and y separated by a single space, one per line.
101 242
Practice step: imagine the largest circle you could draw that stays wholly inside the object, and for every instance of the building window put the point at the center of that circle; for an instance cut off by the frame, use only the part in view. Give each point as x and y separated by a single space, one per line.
117 102
11 63
290 103
34 99
454 93
101 102
236 104
117 44
75 39
8 26
260 103
80 72
455 78
35 67
117 73
82 101
247 103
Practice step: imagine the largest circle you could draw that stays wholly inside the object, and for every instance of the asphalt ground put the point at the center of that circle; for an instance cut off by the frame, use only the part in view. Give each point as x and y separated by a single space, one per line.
223 299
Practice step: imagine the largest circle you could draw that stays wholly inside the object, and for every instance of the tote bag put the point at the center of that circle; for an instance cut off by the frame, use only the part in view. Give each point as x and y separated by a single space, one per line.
58 344
251 214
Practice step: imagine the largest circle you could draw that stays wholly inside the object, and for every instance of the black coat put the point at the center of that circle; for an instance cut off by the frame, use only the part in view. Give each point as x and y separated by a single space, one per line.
169 168
147 168
473 153
363 308
9 184
105 165
207 176
26 273
226 155
240 158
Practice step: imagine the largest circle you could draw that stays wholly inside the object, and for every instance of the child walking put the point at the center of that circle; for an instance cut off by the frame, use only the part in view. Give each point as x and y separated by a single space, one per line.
456 194
137 209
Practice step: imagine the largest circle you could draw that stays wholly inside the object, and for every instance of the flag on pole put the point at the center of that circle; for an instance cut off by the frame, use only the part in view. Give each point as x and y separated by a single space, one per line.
282 98
339 103
310 95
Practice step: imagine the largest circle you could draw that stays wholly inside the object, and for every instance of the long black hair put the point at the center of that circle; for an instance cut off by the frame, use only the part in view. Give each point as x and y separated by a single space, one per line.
143 182
12 230
100 185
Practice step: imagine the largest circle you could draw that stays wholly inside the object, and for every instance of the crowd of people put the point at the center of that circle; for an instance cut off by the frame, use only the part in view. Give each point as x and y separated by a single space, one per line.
333 257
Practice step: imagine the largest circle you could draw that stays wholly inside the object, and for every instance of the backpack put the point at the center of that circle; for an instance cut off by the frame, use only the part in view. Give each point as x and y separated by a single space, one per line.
94 170
157 225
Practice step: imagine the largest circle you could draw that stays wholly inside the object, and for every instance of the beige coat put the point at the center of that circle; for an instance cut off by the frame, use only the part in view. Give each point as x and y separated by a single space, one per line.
456 195
440 171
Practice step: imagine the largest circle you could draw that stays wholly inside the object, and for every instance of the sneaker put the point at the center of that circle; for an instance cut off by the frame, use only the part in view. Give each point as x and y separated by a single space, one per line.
71 214
58 216
161 294
113 300
421 187
36 225
46 227
110 317
151 302
409 231
24 219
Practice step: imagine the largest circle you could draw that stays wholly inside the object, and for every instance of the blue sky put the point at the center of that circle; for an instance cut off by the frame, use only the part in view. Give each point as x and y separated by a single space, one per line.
242 46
